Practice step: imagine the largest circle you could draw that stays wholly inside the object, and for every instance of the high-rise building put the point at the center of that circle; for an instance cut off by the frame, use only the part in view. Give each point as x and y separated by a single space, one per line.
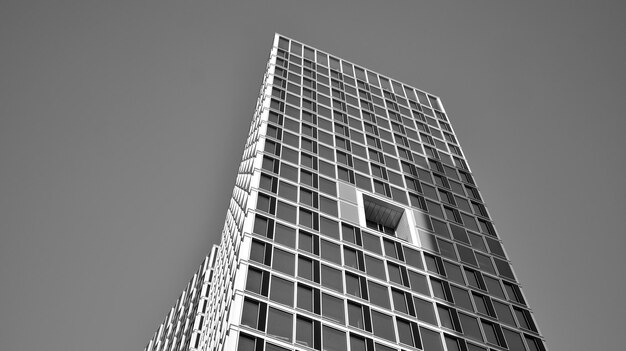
355 224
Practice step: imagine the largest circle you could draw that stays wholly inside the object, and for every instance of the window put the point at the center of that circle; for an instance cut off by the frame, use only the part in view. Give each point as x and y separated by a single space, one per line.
261 226
454 272
260 252
285 235
378 294
445 317
333 340
419 283
524 318
305 241
405 332
329 228
281 291
250 313
431 340
353 285
254 280
331 278
396 273
247 342
513 340
305 297
371 242
481 303
461 298
425 311
304 331
493 286
399 301
286 212
279 324
331 252
470 327
382 326
491 333
350 258
305 268
332 308
413 258
375 267
283 261
504 313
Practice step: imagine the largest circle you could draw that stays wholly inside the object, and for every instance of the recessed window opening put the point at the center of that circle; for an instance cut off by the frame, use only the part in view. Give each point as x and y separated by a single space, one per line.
385 218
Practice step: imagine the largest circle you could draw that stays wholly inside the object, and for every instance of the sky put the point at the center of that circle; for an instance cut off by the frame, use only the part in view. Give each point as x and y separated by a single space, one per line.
122 124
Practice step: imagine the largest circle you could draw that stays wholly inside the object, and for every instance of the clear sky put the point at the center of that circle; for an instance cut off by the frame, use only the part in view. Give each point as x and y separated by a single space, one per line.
122 124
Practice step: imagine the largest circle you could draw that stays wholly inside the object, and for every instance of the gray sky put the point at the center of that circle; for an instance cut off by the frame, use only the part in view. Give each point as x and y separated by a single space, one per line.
122 125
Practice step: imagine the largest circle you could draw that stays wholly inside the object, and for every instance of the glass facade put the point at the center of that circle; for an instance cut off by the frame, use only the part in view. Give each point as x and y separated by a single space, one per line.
355 224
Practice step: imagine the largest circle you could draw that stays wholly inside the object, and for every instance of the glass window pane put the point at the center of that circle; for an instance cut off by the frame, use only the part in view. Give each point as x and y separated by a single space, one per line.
353 286
445 317
281 291
375 267
493 286
331 278
283 261
431 340
254 280
246 343
399 301
404 333
470 327
419 283
461 298
331 252
332 308
304 332
383 326
504 312
250 314
333 340
378 294
285 235
329 228
279 324
513 339
355 315
425 311
454 272
305 298
490 333
357 343
371 242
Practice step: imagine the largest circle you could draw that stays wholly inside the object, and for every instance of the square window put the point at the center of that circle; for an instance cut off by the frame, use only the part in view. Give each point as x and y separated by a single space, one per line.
383 326
281 291
331 278
279 324
333 340
283 261
378 294
332 308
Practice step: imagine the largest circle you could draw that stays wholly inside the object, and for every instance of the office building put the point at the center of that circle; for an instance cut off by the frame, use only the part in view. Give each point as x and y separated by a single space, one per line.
355 224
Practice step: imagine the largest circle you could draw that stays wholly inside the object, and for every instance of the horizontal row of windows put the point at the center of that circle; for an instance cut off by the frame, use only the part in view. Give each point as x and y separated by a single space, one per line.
419 196
303 330
402 302
339 68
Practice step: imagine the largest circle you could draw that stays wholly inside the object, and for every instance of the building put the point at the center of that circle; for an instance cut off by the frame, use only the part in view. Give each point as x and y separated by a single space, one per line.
355 224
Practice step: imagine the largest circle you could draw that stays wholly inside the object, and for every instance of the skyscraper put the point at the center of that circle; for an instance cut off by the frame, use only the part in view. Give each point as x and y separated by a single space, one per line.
355 224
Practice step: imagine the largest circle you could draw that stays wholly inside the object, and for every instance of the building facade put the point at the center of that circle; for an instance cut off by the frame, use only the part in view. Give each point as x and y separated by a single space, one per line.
355 224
